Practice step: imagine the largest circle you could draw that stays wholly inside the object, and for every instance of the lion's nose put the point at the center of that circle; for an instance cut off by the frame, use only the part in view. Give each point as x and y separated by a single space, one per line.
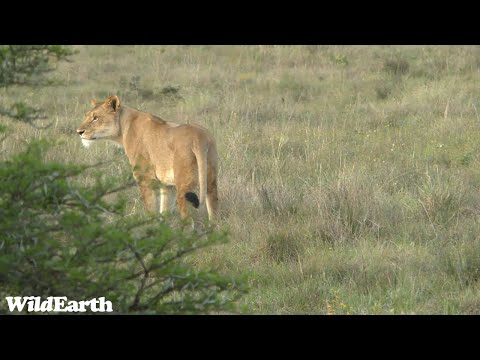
80 132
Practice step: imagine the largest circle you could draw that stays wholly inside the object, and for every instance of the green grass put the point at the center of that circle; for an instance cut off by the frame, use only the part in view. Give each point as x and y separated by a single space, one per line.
349 175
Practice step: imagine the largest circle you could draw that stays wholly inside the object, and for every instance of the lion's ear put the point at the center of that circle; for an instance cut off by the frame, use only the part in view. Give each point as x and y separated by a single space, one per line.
93 102
112 102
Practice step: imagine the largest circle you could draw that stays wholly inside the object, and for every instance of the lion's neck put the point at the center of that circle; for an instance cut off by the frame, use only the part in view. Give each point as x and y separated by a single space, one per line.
125 117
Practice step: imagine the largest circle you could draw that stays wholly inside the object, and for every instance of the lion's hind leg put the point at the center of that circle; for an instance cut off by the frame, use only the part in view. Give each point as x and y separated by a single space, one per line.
185 182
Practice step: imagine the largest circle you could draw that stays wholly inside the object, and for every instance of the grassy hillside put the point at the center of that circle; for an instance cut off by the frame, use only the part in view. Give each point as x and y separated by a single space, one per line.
349 175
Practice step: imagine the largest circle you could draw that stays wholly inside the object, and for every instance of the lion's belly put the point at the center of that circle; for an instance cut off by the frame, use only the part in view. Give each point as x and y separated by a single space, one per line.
166 176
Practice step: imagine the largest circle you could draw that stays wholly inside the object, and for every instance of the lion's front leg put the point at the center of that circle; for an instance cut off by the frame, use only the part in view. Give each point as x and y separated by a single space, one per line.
149 196
164 199
147 183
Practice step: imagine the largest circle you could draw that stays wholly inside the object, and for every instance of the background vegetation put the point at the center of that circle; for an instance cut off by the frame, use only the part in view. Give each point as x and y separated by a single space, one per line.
349 175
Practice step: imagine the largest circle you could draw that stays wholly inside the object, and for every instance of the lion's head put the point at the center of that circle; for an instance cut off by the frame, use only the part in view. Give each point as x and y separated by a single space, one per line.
101 122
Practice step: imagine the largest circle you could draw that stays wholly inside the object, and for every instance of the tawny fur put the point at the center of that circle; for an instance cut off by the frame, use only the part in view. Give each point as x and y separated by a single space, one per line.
178 155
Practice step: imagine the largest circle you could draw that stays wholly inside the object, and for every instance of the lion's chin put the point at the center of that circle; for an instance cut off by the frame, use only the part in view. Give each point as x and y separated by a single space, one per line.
87 143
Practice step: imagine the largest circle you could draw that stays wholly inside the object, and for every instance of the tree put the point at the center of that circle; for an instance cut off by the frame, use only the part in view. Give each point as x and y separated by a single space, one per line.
28 65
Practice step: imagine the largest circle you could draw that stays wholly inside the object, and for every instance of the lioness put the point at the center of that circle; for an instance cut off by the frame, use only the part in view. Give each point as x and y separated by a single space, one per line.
158 150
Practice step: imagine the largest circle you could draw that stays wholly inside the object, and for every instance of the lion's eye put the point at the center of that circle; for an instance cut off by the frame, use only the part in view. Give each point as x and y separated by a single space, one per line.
95 118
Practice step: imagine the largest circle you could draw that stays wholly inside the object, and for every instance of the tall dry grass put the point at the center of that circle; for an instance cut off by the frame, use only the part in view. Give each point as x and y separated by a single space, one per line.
349 175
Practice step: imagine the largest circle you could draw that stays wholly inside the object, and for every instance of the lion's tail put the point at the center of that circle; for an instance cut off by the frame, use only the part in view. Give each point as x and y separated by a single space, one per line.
201 155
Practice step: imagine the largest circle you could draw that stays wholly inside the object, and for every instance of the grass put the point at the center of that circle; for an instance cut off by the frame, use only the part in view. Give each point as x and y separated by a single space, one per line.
349 175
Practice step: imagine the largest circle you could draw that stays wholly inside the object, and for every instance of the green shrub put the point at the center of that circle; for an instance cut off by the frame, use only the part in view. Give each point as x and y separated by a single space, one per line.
58 238
396 66
24 113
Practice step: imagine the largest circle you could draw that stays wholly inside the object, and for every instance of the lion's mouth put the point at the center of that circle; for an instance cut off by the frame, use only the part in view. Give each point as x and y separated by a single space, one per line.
87 142
87 137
